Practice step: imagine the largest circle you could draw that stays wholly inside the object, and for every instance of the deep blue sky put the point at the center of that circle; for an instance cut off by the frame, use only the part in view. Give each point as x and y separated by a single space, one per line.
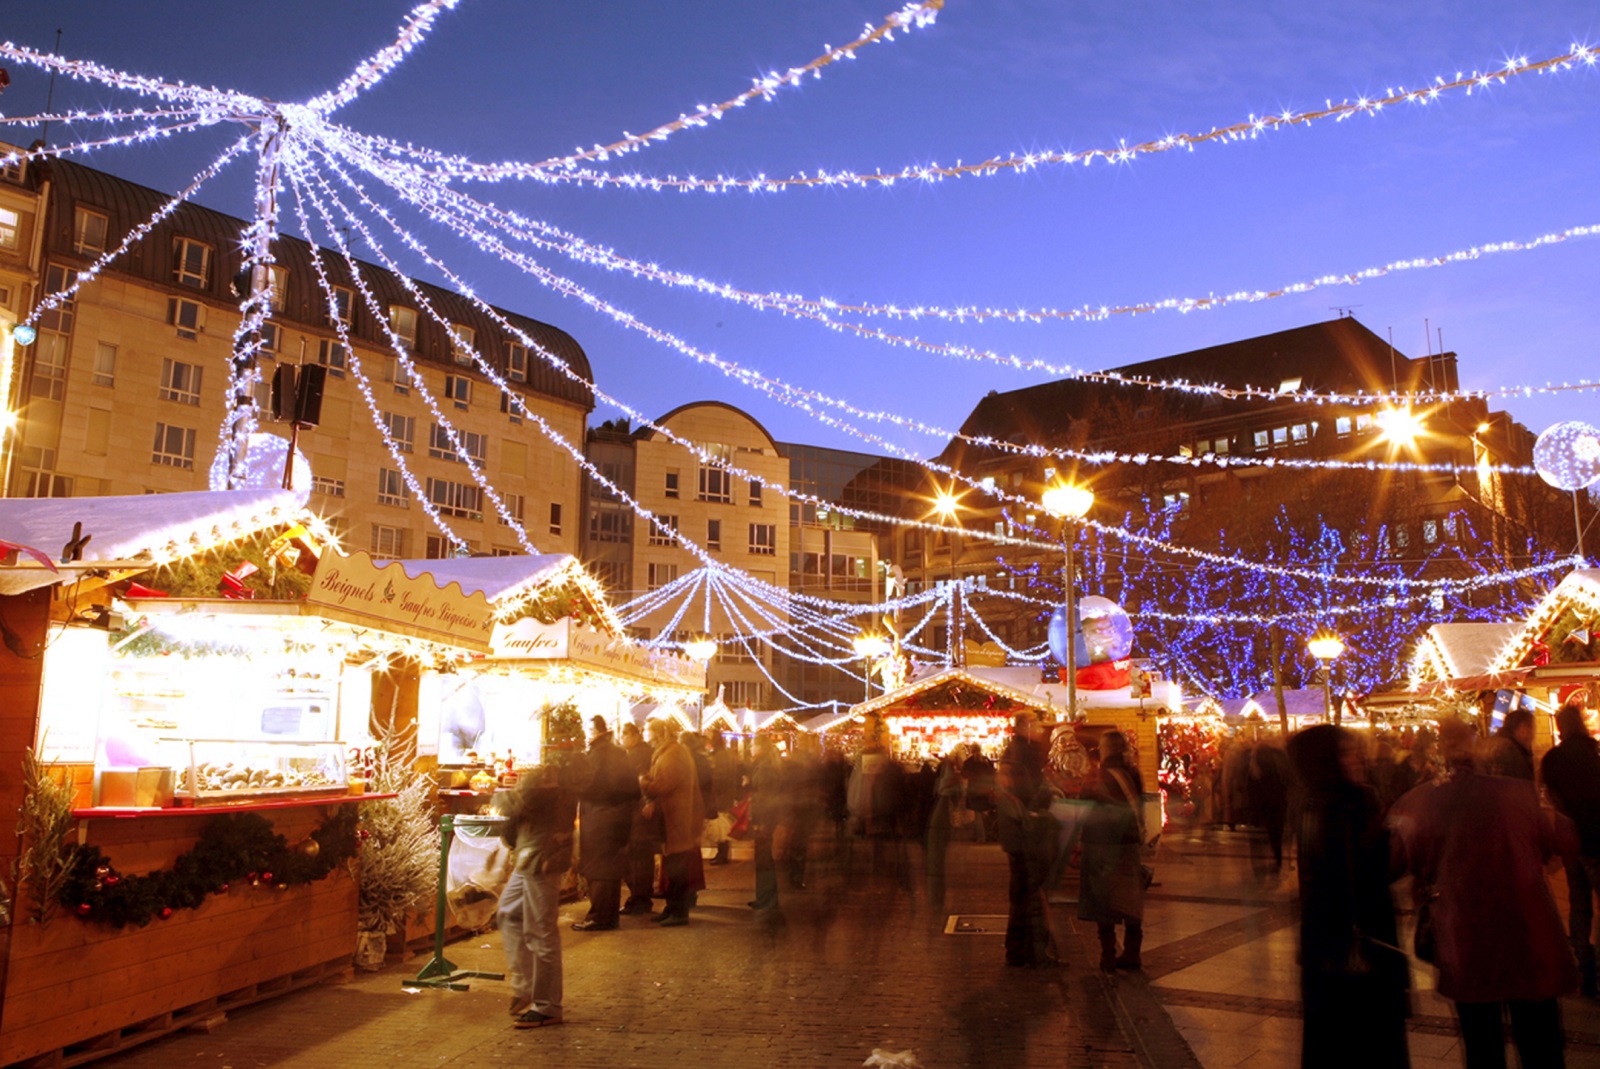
514 79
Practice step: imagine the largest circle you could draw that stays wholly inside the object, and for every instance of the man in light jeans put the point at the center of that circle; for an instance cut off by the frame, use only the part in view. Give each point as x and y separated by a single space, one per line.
539 828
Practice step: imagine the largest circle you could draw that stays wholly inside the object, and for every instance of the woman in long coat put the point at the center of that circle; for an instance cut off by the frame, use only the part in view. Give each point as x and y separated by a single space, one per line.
1351 966
672 786
606 806
1112 881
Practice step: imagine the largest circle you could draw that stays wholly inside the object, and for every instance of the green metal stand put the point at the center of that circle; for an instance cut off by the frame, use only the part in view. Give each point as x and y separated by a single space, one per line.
440 971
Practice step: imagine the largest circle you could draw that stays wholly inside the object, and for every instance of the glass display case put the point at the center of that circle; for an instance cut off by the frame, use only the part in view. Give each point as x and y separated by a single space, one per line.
220 771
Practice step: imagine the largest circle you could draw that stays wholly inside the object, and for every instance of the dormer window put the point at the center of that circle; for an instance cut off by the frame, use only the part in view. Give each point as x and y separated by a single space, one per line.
191 263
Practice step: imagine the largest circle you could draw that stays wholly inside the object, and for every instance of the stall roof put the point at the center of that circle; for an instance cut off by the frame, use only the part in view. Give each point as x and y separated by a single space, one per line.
971 676
1451 651
1579 589
1298 702
132 534
496 578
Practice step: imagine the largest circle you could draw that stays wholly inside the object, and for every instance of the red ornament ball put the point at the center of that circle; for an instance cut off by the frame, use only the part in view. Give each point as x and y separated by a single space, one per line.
111 881
222 890
266 877
253 877
84 909
166 912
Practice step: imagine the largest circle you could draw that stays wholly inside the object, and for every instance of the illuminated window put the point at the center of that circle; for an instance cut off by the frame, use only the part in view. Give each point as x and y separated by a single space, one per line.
280 287
11 229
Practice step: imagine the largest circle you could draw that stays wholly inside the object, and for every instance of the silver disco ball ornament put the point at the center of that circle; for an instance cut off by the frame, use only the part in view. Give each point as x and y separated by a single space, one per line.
1567 456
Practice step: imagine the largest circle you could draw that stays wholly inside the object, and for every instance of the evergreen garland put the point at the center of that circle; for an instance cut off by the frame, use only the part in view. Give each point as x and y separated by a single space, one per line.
232 847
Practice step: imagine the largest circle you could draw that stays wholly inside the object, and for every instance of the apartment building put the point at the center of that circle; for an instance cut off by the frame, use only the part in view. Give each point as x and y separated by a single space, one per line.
124 389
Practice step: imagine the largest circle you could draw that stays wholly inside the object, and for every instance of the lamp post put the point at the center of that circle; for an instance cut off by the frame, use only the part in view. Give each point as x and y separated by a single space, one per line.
1326 647
870 645
1069 503
947 506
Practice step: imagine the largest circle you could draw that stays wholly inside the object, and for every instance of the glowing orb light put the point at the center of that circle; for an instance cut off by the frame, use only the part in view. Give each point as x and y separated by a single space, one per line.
263 466
1567 455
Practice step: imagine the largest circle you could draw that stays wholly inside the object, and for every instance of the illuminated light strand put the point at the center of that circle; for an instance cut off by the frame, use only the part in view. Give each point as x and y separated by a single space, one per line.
725 592
416 27
78 115
1097 457
220 101
1245 130
363 383
45 152
912 16
398 347
88 274
564 285
737 615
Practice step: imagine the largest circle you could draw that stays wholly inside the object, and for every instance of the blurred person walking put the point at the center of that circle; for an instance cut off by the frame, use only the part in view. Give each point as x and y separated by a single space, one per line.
606 805
644 838
768 807
1112 879
1028 834
672 788
539 831
1571 773
1480 843
1351 966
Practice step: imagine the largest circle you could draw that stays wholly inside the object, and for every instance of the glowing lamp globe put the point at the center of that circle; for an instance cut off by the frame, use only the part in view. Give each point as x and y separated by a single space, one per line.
870 646
263 467
1068 501
1325 646
25 335
1567 455
700 649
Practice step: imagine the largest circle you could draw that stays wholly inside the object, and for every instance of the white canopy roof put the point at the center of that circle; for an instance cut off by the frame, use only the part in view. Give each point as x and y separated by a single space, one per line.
497 578
132 533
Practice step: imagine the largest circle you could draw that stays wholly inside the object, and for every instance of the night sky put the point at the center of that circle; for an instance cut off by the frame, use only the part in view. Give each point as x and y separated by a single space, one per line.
509 79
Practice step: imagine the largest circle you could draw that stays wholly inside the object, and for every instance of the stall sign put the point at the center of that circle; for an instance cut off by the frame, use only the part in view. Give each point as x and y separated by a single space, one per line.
357 591
566 640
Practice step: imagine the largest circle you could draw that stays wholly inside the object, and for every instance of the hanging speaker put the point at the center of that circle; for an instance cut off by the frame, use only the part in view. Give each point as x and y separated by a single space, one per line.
283 393
308 395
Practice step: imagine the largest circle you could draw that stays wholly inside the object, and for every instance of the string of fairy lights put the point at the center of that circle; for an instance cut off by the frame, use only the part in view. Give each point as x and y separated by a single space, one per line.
304 144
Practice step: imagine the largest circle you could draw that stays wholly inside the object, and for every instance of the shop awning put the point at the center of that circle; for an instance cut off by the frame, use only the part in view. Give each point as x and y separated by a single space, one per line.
1473 684
499 579
130 534
356 590
565 641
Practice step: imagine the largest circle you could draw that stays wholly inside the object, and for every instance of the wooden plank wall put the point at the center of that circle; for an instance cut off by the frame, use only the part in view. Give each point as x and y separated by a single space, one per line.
74 980
26 616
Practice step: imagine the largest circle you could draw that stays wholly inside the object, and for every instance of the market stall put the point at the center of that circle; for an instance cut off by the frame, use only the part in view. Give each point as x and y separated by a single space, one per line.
199 720
932 714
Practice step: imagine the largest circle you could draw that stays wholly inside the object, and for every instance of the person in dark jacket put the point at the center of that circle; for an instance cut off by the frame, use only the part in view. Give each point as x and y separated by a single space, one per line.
539 830
767 814
1510 751
1481 843
1351 966
606 805
644 838
1572 777
1267 788
1112 881
1028 835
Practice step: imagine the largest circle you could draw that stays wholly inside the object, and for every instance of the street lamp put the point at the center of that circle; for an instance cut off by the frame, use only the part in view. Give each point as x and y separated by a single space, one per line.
1069 503
700 649
1326 647
870 646
947 506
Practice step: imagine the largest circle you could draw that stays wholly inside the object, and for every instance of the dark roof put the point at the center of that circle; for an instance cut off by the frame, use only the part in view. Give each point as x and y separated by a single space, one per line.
1339 355
128 205
648 432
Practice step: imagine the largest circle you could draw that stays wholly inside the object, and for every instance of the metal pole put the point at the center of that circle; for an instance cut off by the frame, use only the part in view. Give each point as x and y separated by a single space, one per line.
254 307
1068 582
1577 524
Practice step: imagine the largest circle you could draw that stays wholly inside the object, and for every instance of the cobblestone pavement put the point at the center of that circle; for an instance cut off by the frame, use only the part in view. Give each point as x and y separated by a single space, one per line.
857 964
862 963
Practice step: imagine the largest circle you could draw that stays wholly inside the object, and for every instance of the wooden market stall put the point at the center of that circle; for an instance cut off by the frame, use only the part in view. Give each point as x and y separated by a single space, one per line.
932 714
200 735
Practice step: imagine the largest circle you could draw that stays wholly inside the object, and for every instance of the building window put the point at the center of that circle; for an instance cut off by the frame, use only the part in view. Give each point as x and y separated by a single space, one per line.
456 499
388 543
339 311
12 168
714 535
1280 437
392 489
614 575
503 551
174 447
471 444
11 229
38 477
271 337
671 489
402 430
403 323
715 485
191 263
755 494
764 539
459 389
180 382
663 530
394 372
58 279
88 232
49 378
662 574
1300 433
439 548
332 354
1430 531
188 316
555 517
330 487
517 363
513 508
279 277
510 409
610 526
462 342
745 693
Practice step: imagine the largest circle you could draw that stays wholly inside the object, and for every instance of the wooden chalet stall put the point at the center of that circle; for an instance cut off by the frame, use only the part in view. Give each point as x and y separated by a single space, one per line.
200 727
934 713
1556 650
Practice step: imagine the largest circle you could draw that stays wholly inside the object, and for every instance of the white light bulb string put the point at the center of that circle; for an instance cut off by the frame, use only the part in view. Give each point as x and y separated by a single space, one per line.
532 231
564 169
561 366
418 24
